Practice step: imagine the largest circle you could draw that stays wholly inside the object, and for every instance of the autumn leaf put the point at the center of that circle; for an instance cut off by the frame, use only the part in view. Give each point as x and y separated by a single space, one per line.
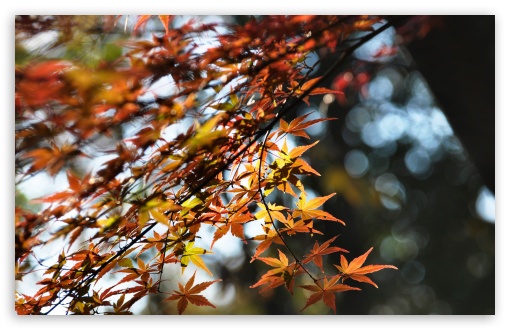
297 126
298 151
206 134
292 227
234 225
281 273
267 239
270 213
309 84
323 90
181 131
353 270
286 168
278 264
156 208
193 254
141 21
327 292
52 159
189 293
307 209
165 20
318 251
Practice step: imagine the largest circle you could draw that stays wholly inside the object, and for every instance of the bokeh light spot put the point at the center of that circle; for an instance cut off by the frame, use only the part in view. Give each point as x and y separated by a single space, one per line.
478 265
357 118
417 161
356 163
371 136
423 296
413 272
393 126
486 205
380 88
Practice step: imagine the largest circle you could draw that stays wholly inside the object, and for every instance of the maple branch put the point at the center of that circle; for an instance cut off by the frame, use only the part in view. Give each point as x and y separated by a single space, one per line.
264 63
269 211
283 111
163 258
86 281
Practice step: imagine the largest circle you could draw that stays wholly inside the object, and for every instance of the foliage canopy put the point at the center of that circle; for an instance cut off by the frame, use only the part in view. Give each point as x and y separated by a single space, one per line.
145 205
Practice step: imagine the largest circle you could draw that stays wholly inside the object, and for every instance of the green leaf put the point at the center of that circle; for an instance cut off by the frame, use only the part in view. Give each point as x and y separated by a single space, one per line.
111 52
234 99
126 262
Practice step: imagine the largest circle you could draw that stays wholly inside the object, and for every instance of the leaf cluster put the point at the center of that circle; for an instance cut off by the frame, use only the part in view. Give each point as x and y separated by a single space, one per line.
144 206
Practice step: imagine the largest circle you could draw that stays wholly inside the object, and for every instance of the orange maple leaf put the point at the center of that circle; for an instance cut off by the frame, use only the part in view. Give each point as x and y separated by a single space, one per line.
318 251
267 239
354 270
142 20
307 210
282 273
326 293
189 293
297 126
300 226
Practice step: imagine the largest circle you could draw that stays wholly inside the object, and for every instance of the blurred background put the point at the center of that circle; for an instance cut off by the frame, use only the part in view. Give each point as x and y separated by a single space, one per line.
411 158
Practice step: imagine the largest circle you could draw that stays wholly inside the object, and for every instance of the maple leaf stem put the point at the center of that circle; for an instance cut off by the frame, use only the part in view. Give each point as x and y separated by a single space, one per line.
163 258
242 206
263 147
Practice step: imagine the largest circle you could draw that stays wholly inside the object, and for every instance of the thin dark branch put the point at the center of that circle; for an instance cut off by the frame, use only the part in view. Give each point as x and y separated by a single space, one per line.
269 212
163 257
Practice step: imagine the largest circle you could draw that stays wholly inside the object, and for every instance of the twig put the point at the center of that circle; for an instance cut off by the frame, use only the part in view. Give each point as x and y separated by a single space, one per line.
269 212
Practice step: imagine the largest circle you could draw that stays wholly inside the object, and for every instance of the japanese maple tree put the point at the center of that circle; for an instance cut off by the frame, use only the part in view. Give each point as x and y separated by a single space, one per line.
160 185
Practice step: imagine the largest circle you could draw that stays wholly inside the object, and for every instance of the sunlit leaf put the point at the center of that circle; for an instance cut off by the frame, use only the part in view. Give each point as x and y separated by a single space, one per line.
354 271
326 292
189 293
307 210
125 263
193 254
